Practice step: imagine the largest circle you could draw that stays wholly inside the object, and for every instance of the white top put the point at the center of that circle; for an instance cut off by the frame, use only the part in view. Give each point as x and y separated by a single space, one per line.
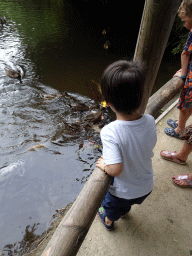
130 143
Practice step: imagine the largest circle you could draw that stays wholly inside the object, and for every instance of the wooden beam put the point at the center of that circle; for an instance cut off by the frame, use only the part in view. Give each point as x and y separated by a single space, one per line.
155 28
159 99
72 230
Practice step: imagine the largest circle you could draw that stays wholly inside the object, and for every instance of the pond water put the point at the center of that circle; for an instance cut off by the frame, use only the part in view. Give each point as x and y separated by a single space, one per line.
58 46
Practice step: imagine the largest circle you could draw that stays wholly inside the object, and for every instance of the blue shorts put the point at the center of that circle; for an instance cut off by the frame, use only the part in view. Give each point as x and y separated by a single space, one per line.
115 207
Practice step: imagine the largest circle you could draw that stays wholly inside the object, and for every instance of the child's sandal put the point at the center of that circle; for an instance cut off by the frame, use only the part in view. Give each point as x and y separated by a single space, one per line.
101 213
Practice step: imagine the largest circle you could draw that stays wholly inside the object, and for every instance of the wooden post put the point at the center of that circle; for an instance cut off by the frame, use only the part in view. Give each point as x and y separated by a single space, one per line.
72 230
155 28
158 100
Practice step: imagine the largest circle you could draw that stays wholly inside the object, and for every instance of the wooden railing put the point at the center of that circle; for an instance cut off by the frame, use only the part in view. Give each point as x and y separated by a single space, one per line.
72 230
159 99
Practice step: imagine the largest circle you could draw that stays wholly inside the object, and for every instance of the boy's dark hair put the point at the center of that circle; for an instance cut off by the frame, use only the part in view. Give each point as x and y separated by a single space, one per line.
122 85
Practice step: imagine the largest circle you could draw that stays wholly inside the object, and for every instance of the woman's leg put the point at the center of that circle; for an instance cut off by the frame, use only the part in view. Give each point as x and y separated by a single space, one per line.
183 117
184 152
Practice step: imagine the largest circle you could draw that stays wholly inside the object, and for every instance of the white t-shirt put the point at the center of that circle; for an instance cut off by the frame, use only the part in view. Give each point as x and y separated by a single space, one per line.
130 143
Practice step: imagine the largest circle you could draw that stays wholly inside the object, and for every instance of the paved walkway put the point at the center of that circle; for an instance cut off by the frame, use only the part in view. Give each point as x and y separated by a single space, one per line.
162 225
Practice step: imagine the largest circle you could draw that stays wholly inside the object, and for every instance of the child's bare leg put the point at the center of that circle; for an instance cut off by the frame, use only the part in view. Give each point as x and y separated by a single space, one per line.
184 152
108 221
183 117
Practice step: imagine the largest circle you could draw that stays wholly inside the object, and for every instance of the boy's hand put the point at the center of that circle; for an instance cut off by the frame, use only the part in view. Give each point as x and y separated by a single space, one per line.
100 163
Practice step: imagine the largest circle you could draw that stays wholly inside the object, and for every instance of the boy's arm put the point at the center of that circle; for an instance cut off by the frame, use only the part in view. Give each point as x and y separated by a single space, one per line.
111 169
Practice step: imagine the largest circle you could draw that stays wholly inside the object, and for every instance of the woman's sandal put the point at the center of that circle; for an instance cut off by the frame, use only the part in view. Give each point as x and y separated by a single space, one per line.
182 177
170 156
171 132
101 213
172 123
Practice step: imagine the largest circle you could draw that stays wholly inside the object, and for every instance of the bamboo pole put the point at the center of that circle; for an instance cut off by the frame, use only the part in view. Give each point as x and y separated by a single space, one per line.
158 100
155 28
72 230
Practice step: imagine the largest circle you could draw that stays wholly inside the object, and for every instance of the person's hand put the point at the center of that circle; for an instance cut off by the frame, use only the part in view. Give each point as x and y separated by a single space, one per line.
100 163
178 73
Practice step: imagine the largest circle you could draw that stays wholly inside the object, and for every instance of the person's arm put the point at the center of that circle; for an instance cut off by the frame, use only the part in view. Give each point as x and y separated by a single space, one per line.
185 57
111 169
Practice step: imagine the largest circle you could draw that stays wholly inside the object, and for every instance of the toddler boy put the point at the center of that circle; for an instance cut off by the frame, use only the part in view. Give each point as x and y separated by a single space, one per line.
127 142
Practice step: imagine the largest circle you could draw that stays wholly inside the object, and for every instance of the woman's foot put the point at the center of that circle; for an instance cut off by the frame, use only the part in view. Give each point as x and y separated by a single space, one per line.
183 181
172 123
171 156
177 130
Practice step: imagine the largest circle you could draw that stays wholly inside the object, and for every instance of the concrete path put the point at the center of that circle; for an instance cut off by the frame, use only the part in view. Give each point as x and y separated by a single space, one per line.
162 224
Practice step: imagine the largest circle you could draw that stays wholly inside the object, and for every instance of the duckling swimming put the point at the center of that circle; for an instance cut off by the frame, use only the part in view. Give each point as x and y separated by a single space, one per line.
106 45
104 32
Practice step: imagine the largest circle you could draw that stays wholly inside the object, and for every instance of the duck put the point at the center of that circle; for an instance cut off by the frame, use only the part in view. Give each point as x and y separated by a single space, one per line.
94 116
3 20
106 45
104 32
13 73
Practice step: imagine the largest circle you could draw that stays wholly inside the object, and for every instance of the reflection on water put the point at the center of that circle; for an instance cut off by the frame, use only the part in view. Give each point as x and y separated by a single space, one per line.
46 156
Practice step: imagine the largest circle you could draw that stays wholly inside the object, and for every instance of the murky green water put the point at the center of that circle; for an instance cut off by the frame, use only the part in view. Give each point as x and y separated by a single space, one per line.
58 46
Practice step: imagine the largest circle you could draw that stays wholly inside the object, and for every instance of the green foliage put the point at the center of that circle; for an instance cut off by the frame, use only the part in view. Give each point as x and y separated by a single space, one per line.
180 43
181 34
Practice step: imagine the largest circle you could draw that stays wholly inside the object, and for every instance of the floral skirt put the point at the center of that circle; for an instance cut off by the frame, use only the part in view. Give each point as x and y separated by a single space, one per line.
185 100
186 134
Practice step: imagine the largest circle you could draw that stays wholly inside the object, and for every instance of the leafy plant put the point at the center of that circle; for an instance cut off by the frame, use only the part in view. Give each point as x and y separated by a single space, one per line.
181 34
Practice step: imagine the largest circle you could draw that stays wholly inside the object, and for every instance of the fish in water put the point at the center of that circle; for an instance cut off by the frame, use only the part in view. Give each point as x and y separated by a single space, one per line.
5 172
51 96
36 147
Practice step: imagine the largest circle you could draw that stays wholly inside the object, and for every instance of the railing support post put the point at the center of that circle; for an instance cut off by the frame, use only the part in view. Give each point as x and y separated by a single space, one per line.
157 21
